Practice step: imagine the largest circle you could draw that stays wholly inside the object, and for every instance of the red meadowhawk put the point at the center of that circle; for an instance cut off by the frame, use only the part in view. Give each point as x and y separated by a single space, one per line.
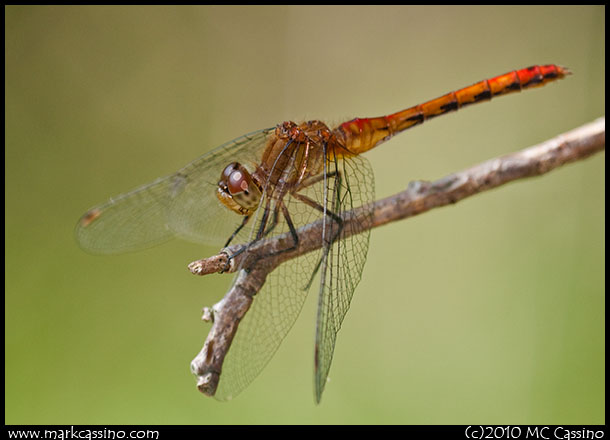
275 181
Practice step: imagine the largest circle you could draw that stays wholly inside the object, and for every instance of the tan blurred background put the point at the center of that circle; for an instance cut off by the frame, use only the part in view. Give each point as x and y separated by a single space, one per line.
488 311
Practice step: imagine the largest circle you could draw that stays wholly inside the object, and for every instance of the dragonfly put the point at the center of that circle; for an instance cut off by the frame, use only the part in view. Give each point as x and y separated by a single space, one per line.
271 182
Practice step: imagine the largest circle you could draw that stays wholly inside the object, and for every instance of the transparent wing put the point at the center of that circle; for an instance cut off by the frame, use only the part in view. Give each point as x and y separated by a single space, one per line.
273 311
276 307
343 258
183 204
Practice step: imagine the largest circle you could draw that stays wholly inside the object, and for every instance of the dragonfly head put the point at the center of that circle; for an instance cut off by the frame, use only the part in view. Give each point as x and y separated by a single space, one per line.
237 190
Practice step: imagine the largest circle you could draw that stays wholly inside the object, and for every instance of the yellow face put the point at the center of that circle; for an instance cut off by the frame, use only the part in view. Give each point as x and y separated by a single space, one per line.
237 190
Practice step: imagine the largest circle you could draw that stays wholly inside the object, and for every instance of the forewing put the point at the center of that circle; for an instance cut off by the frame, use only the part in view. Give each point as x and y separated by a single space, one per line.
129 222
183 204
193 209
351 185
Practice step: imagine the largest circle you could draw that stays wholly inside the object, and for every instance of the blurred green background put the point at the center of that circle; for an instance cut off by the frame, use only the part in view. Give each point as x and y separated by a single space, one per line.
488 311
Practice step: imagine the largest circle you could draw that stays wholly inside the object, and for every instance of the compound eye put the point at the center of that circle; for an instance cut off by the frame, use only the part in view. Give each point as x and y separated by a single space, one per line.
226 173
237 182
234 178
237 189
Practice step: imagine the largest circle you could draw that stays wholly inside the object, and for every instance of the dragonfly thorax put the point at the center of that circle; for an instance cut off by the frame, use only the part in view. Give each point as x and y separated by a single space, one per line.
294 153
237 190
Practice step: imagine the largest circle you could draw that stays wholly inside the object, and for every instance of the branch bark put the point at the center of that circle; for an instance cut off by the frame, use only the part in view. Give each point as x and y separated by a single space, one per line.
419 197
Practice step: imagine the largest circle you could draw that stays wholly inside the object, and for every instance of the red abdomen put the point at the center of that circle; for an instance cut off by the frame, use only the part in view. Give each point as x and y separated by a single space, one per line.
362 134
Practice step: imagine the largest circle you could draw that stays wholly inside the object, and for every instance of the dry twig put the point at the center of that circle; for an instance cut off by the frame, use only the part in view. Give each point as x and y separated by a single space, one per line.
419 197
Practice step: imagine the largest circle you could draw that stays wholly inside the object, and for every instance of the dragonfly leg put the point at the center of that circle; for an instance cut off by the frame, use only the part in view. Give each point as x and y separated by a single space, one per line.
243 248
293 232
310 202
266 226
239 228
273 223
315 179
316 205
328 244
261 229
291 227
264 230
275 219
258 235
